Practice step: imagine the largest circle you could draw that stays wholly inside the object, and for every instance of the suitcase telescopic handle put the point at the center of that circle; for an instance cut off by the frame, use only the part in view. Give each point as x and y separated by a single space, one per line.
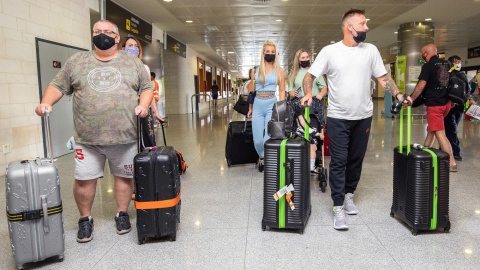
409 127
163 133
48 134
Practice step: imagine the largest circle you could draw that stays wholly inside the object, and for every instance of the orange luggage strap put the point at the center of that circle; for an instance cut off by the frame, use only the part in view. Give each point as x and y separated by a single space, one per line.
158 204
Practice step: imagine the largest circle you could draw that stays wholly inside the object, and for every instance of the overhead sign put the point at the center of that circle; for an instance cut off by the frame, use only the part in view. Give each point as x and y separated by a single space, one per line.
129 22
175 46
473 52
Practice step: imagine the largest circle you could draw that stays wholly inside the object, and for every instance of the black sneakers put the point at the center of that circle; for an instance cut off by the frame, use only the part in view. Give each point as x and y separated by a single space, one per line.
85 230
123 223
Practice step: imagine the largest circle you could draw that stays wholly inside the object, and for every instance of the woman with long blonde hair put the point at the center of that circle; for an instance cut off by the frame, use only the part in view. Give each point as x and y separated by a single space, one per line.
267 77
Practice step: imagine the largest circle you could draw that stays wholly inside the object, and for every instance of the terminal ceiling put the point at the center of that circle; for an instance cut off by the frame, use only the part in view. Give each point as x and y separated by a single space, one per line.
231 32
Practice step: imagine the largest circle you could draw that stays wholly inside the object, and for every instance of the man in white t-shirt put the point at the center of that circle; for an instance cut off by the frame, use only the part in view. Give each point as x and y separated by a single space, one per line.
349 66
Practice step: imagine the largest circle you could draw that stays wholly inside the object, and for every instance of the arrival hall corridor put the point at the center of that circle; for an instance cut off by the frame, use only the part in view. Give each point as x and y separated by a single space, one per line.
222 211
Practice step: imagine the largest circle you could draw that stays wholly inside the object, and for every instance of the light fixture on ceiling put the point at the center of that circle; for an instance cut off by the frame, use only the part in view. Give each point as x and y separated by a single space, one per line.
333 41
189 21
279 20
212 28
368 19
395 32
428 19
231 52
167 0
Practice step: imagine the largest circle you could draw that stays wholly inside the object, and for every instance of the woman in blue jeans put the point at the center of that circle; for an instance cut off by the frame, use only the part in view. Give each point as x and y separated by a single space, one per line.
268 76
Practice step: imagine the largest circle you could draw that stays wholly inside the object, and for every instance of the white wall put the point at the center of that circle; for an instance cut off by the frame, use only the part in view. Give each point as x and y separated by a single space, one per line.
63 21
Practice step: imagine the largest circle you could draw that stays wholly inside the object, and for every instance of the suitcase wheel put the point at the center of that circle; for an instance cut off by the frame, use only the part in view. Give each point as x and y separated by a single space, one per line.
392 214
173 238
141 241
229 163
447 229
264 228
300 231
414 232
60 258
323 185
20 267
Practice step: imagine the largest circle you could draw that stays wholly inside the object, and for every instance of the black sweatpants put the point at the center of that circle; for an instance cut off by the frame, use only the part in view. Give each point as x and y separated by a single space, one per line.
348 144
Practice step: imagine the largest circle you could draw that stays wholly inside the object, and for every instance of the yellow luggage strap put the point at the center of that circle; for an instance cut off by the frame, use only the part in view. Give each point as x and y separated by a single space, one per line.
34 214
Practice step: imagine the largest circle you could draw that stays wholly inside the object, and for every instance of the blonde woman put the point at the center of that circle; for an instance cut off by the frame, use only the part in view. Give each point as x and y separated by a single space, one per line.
267 77
301 64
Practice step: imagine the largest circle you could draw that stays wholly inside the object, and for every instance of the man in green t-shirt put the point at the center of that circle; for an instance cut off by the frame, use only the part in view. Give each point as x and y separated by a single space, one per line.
110 88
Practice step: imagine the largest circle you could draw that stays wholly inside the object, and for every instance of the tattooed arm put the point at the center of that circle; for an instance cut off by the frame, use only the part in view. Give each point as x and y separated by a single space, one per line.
390 87
418 89
307 89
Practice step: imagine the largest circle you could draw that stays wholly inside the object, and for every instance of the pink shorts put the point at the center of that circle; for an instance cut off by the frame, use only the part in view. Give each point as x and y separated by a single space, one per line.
435 115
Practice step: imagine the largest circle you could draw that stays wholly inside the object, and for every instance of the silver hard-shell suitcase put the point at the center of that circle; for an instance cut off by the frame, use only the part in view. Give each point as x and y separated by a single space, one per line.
34 209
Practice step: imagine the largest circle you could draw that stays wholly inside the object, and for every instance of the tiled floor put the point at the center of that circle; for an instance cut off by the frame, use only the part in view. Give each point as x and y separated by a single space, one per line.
222 210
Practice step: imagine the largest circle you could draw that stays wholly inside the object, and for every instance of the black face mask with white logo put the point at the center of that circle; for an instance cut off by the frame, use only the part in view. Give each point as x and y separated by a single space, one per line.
103 42
361 36
304 64
269 57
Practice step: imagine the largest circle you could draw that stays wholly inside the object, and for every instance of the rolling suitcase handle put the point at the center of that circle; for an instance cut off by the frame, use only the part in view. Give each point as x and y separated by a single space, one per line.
141 143
163 132
48 134
409 126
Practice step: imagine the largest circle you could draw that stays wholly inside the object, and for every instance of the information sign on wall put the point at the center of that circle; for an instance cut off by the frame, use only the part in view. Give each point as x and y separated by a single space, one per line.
473 52
175 46
129 22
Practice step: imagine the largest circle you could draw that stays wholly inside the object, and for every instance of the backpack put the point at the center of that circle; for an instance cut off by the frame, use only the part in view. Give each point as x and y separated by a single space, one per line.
281 125
458 88
182 165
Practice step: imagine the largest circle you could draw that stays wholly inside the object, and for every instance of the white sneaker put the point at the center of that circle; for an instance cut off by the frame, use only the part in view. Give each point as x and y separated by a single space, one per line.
312 165
350 207
339 218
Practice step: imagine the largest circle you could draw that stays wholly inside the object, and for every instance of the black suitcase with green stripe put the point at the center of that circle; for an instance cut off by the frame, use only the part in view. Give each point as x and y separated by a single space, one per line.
420 185
287 162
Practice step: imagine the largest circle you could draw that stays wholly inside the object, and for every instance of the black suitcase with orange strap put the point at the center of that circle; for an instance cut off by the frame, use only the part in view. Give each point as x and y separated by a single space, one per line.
157 192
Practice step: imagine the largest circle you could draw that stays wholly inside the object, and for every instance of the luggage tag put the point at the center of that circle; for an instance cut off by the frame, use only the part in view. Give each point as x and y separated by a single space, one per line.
288 197
285 190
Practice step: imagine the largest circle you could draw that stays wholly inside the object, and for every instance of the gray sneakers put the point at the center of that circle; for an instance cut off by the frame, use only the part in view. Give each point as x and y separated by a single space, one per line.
349 206
339 218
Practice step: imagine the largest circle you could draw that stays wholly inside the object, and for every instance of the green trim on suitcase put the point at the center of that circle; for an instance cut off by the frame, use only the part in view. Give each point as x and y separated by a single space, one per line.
433 222
307 119
409 125
281 202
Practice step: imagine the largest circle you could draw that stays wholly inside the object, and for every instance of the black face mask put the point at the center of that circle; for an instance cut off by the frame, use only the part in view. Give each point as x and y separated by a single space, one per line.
103 42
424 57
304 64
269 57
361 36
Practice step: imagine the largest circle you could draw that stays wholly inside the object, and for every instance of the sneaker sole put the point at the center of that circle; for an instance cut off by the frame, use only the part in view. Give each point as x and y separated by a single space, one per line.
351 212
341 228
124 231
85 240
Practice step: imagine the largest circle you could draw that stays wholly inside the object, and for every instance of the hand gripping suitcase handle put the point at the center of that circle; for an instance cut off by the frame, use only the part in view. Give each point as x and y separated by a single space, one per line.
48 134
